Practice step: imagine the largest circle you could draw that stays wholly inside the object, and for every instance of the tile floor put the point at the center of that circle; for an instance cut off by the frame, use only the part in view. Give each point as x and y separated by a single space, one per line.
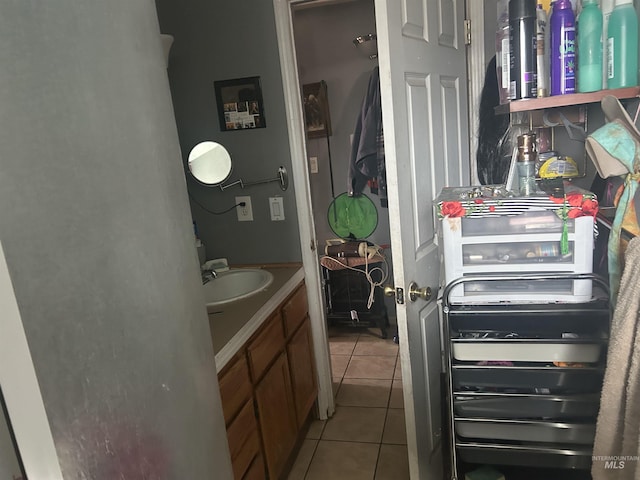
365 439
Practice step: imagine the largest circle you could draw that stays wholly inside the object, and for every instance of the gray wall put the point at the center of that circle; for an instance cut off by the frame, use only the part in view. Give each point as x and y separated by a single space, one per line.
324 51
216 40
97 233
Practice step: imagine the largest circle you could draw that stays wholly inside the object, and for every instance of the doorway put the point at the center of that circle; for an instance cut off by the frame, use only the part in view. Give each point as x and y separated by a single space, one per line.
430 149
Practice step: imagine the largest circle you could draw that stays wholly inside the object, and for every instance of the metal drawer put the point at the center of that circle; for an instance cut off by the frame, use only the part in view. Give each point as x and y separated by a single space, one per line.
528 379
526 430
517 405
573 457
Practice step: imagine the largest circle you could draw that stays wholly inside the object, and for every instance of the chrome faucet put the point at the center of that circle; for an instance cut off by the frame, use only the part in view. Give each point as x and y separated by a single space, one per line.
208 275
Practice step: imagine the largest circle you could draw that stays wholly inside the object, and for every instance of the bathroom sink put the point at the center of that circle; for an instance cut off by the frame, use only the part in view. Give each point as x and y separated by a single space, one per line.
235 284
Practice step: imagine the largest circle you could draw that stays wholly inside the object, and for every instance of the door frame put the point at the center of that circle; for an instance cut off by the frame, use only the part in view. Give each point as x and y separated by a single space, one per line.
308 242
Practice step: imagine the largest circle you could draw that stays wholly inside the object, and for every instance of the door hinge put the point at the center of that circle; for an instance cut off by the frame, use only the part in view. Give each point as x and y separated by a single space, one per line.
467 32
312 245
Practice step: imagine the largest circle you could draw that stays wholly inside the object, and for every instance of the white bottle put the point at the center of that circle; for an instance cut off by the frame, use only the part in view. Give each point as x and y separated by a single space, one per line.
607 7
542 51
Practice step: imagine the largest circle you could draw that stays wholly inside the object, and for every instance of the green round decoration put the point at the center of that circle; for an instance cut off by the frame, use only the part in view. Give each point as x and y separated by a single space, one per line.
352 217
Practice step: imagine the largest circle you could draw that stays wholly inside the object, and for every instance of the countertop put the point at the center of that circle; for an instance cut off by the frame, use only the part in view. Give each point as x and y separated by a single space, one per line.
232 324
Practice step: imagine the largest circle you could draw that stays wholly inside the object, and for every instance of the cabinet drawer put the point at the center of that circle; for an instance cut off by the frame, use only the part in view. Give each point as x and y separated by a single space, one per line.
246 455
235 387
265 346
295 310
256 470
241 429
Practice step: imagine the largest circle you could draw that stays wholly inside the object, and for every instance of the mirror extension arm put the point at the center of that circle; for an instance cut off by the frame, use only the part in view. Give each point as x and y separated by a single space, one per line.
282 178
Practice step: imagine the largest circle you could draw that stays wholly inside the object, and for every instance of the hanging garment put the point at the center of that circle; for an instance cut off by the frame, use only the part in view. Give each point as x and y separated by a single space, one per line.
367 161
615 150
618 425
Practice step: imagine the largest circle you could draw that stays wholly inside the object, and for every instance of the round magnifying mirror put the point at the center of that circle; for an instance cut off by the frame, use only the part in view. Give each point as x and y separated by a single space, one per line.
210 163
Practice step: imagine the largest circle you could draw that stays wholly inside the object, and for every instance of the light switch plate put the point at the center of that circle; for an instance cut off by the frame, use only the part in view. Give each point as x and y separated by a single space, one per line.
276 206
313 164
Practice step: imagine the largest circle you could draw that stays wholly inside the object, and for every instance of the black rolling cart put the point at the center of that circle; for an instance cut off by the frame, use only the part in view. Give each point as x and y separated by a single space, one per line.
524 379
347 290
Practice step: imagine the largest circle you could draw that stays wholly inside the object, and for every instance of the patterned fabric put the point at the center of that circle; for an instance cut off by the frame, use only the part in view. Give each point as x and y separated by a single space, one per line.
618 142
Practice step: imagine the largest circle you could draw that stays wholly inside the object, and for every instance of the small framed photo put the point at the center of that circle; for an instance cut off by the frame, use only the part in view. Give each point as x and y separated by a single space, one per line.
316 109
240 104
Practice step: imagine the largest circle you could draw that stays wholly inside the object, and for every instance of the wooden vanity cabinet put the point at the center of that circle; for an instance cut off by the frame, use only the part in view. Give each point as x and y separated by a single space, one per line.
277 416
236 393
268 391
303 371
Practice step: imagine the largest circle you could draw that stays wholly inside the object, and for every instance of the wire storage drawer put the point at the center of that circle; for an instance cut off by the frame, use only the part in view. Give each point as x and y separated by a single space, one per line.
526 243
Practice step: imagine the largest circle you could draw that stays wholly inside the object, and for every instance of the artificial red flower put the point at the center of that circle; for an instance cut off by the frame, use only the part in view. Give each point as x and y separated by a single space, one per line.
453 209
479 201
575 199
492 208
575 213
556 199
590 207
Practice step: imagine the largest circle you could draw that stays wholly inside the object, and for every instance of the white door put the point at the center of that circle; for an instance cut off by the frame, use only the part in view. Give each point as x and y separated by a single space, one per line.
424 102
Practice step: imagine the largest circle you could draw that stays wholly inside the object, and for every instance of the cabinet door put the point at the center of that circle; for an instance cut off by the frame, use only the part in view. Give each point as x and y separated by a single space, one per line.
277 417
303 371
244 442
235 387
265 346
295 310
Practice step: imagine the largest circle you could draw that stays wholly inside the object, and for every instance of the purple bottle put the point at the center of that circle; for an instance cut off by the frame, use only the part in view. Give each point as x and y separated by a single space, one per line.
563 48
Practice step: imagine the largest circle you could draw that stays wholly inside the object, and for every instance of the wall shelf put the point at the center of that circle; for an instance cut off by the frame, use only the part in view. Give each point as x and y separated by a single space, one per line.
565 100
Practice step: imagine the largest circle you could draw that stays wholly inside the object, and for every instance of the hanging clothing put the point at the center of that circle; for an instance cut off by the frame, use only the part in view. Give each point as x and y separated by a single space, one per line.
367 161
614 148
618 425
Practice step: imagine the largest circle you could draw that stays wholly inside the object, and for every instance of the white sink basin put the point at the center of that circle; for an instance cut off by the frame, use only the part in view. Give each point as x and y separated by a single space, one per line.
235 285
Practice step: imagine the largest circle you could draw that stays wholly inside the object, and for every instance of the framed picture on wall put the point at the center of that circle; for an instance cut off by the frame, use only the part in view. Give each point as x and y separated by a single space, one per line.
316 109
240 104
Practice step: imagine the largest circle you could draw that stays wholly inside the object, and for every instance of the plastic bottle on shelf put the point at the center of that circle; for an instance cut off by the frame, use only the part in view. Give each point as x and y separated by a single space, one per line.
522 40
563 49
542 51
589 47
622 46
503 62
606 6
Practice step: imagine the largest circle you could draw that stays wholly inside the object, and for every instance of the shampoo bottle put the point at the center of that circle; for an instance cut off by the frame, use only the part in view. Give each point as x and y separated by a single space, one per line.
590 47
563 49
622 46
606 6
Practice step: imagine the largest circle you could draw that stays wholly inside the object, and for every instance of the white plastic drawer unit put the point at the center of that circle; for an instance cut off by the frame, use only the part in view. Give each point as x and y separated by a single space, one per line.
527 243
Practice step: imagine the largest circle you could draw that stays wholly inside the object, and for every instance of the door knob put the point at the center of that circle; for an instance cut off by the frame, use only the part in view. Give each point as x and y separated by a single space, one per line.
414 292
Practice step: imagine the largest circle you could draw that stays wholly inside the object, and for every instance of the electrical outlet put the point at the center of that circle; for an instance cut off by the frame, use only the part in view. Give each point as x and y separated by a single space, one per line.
313 164
245 214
